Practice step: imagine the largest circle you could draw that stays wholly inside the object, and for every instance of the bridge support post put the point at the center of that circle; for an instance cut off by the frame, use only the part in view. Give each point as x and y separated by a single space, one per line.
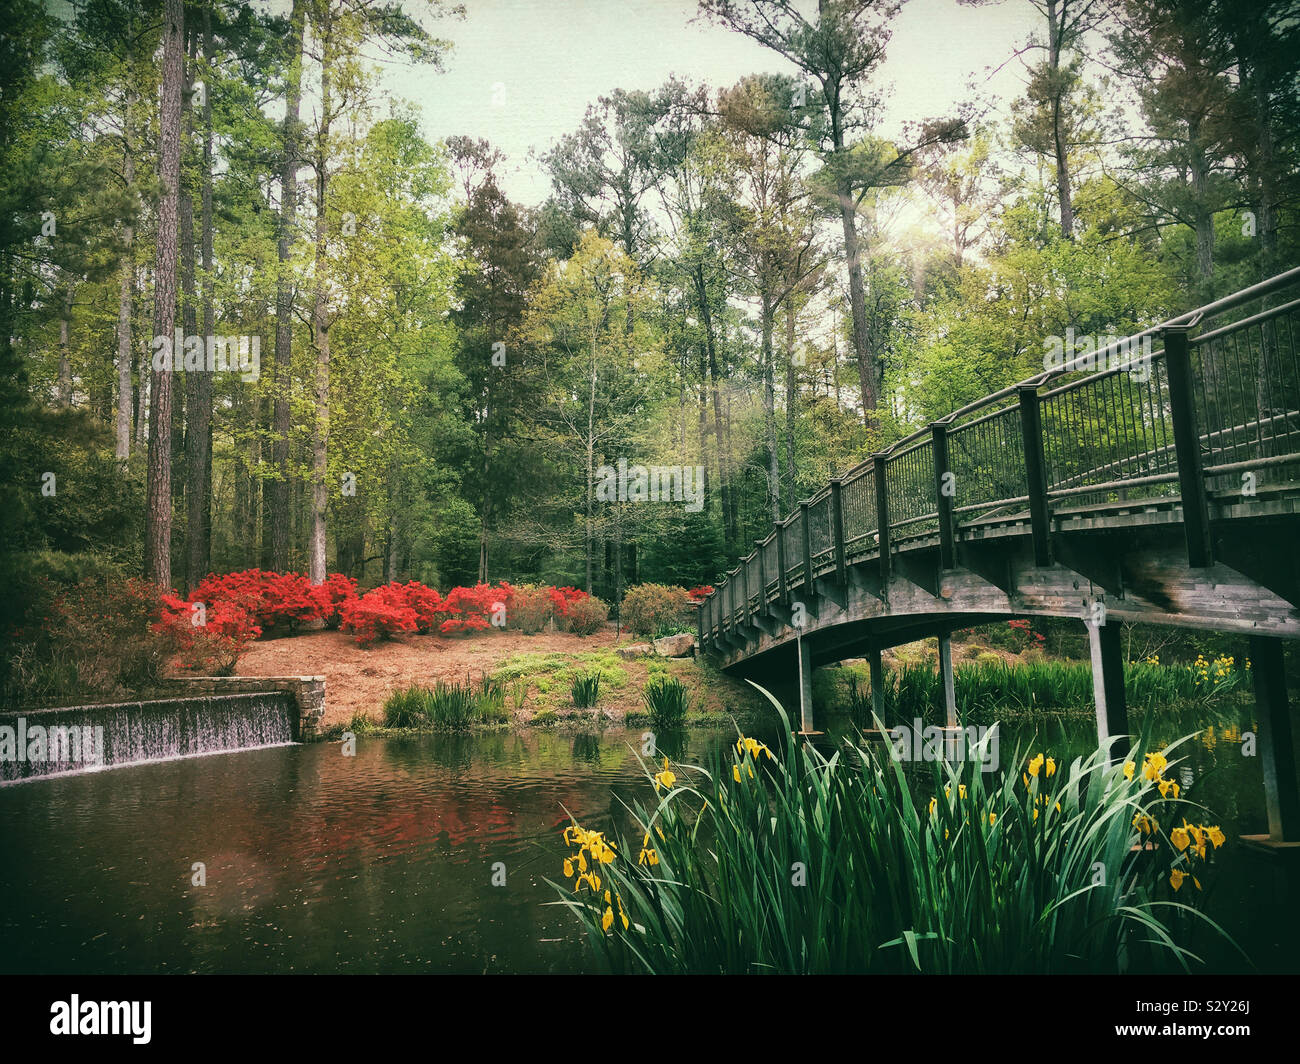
949 685
805 688
1187 447
877 683
1276 749
882 515
1031 428
943 486
1108 687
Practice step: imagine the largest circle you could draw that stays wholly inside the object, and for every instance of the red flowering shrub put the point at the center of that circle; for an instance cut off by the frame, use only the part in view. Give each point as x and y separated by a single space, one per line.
336 590
209 638
378 614
274 600
1022 635
425 601
699 594
471 609
563 597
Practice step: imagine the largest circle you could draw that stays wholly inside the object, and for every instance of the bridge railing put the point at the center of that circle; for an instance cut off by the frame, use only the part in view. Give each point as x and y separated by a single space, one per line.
1167 414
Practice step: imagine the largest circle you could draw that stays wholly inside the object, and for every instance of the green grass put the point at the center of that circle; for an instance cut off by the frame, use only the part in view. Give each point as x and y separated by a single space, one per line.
447 706
988 688
585 689
791 862
668 701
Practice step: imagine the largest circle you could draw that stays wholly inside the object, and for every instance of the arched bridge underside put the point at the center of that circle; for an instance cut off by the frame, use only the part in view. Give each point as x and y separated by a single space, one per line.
1157 480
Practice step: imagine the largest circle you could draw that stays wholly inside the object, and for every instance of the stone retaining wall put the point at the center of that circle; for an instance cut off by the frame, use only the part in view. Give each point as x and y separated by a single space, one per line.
308 694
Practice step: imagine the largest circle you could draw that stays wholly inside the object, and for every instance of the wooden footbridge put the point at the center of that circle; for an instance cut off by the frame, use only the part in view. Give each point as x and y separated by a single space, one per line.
1154 481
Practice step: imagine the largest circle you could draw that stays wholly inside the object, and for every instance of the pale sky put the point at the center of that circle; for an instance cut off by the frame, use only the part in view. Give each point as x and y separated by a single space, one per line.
522 72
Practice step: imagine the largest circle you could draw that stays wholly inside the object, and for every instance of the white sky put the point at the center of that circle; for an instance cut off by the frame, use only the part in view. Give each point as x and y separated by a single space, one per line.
522 72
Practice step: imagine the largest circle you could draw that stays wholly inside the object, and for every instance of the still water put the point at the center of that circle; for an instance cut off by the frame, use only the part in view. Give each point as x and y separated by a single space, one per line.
384 862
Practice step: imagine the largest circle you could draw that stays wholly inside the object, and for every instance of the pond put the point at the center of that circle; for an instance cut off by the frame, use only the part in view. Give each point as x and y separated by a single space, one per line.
385 862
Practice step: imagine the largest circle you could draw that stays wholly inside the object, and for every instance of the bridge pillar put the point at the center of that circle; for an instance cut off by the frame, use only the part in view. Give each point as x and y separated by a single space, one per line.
1108 687
949 686
877 683
1276 747
805 687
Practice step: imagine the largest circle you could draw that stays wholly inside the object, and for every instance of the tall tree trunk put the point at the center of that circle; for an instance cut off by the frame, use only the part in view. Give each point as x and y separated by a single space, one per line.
791 395
158 515
125 300
316 559
867 370
277 489
1060 146
198 442
723 456
769 414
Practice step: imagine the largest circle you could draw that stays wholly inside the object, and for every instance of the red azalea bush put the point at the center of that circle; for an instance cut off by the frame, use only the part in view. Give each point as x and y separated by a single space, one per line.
275 600
210 639
699 594
379 614
471 609
336 590
1021 635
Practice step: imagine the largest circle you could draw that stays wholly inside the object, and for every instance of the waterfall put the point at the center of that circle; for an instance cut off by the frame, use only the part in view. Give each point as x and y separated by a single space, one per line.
46 742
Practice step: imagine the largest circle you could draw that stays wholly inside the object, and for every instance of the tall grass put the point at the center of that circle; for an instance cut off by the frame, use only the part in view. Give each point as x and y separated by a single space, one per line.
984 689
447 706
667 699
585 689
791 861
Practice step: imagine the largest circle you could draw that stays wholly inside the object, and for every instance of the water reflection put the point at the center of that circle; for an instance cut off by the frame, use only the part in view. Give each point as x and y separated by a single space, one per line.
383 861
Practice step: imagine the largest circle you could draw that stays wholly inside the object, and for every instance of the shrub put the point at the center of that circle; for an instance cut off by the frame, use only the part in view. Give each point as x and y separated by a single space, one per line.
408 708
378 614
586 689
470 609
649 607
209 639
563 598
102 639
667 699
530 608
336 590
586 616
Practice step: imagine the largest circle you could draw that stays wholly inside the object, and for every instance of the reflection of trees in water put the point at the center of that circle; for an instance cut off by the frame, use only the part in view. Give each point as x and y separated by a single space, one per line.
672 743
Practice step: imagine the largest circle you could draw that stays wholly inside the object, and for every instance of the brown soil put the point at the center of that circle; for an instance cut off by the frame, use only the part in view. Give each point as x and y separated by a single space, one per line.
359 679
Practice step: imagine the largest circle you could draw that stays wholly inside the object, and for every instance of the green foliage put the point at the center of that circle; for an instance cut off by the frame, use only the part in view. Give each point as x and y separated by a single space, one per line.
447 706
795 863
668 701
987 687
586 689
